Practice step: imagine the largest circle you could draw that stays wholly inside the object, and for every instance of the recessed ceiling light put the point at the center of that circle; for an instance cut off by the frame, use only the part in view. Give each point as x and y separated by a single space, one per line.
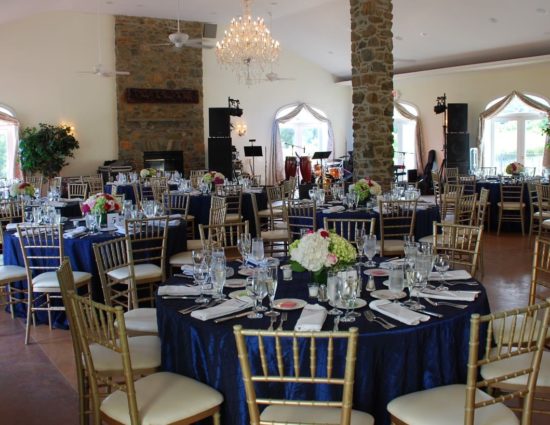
423 34
493 20
541 11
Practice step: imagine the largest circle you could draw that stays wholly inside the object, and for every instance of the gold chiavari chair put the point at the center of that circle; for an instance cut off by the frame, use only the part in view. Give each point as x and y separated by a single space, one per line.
42 248
147 243
145 192
511 207
461 243
451 175
438 188
450 200
38 182
159 187
466 209
144 350
274 211
289 188
301 216
397 219
153 399
348 227
178 203
542 213
197 173
325 368
482 208
468 404
233 200
95 183
273 239
77 190
225 236
469 183
488 171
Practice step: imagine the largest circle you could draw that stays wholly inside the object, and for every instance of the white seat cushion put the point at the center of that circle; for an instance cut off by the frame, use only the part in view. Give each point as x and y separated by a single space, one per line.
141 271
427 239
194 244
144 354
546 224
163 398
233 218
514 206
49 280
275 235
513 364
181 258
391 245
12 273
544 214
312 415
445 405
508 323
142 320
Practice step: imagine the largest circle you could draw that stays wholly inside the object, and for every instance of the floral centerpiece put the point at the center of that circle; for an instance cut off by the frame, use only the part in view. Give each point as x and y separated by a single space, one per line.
213 177
515 168
366 187
147 172
21 189
100 203
318 251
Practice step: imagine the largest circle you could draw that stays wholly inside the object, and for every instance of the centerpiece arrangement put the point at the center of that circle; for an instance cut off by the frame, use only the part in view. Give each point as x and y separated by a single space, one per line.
147 172
100 203
21 189
365 188
318 251
515 168
213 177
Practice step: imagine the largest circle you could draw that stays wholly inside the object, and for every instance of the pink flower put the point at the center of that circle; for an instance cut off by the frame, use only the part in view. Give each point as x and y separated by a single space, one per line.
331 259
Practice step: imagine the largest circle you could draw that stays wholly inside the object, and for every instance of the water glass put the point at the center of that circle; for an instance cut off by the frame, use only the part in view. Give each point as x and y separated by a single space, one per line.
271 285
244 243
370 249
257 250
200 273
251 292
347 291
396 278
442 264
217 276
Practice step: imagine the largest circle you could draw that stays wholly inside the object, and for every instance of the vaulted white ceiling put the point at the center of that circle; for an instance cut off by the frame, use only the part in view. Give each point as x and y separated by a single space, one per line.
427 33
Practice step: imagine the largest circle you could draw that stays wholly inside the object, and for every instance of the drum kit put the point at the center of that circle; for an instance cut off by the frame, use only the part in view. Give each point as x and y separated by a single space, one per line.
333 170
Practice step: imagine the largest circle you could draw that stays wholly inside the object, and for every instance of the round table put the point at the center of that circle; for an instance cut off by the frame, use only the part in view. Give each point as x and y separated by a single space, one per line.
390 363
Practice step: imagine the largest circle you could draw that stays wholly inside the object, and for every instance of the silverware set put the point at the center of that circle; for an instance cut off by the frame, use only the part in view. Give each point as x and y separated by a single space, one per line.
371 317
189 310
449 304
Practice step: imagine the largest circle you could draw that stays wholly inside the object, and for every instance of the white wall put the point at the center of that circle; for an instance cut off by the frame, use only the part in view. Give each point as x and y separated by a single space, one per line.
261 101
474 87
38 79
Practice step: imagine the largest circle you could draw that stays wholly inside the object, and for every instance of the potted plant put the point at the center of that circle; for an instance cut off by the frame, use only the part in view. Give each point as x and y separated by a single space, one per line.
44 150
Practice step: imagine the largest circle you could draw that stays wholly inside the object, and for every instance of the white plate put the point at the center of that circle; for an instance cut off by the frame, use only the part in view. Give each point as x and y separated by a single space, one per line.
108 229
359 303
235 283
377 272
246 272
229 272
289 304
386 294
238 294
388 264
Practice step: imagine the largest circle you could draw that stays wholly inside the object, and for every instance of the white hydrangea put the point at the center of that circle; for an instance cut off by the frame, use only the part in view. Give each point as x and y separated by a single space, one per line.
311 252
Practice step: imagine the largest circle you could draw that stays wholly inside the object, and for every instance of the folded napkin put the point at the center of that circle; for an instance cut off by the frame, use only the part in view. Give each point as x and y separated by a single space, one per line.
253 190
177 290
187 269
389 264
223 309
446 295
56 204
13 226
398 312
312 318
451 275
334 209
74 233
195 192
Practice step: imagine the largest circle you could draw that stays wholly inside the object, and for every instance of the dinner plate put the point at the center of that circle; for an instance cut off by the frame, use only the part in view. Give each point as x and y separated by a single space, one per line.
289 304
359 303
108 229
386 294
246 272
229 272
388 264
239 294
235 283
377 272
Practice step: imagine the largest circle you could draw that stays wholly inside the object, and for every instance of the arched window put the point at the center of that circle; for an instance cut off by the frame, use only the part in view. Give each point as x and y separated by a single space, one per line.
303 133
405 117
9 138
514 133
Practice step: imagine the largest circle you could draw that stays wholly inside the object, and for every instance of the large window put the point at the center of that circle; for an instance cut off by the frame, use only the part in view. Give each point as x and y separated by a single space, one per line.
303 134
8 142
514 134
404 137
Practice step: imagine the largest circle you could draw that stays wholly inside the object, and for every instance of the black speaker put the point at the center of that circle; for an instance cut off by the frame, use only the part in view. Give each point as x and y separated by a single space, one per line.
458 151
220 157
457 118
412 176
219 122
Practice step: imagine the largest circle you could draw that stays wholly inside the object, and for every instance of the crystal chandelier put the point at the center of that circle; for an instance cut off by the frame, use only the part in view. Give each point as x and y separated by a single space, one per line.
247 47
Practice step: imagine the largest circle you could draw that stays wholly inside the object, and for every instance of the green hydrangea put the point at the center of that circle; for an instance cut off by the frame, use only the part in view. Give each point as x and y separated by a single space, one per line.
339 246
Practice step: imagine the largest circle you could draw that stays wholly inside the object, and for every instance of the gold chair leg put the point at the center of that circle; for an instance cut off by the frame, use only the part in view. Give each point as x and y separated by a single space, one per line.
499 221
522 222
48 304
29 317
216 418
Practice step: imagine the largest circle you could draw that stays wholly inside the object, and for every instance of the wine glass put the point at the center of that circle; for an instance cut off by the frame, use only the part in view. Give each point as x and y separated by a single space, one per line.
218 273
370 249
257 250
244 243
271 285
198 256
347 292
332 292
360 243
251 292
200 273
260 278
441 265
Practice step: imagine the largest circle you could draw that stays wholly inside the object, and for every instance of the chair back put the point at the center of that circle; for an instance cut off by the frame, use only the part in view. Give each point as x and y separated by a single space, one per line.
197 173
289 187
159 186
436 181
348 227
145 192
461 243
451 199
218 210
37 181
283 350
177 203
77 190
540 274
233 199
225 236
95 183
543 200
481 209
95 324
511 193
469 183
533 335
451 174
466 209
397 219
301 215
42 248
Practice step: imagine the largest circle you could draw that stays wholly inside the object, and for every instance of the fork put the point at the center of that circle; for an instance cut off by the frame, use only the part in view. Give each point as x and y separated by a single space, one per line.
284 316
458 282
438 303
371 317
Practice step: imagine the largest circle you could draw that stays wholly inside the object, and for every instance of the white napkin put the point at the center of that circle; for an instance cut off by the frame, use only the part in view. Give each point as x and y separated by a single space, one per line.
187 269
177 290
312 318
253 190
73 233
195 192
56 204
397 312
13 226
447 295
451 275
334 209
389 264
223 309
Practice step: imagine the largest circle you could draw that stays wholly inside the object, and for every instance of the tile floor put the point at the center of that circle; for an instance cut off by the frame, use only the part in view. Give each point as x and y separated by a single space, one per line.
42 375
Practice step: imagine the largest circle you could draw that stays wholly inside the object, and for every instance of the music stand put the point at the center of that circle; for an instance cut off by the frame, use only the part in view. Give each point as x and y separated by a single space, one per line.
253 151
322 155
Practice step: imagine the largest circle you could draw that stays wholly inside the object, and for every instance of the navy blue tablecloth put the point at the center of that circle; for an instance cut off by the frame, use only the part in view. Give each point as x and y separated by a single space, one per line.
390 363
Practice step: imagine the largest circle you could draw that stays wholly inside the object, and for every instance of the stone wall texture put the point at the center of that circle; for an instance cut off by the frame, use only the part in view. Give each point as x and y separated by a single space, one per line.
372 80
156 126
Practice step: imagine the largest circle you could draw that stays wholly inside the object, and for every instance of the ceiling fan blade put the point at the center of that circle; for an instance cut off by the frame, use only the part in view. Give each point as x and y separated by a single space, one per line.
197 43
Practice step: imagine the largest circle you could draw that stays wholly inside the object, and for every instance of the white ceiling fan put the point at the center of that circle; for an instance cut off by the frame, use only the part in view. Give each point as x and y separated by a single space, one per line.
99 69
272 76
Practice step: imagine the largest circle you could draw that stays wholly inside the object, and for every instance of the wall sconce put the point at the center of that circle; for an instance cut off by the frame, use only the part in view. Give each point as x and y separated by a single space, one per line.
241 128
71 128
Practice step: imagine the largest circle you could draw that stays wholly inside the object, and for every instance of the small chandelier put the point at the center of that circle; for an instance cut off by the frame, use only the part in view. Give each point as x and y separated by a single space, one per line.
247 47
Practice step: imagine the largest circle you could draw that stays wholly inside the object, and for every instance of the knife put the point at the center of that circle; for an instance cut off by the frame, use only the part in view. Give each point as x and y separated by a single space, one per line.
234 316
179 297
430 313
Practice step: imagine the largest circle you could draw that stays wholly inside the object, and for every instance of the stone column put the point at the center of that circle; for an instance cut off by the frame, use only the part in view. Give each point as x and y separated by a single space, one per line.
372 80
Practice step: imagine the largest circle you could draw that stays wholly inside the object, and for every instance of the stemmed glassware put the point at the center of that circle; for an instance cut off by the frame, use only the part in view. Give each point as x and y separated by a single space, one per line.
256 289
271 280
244 243
441 265
200 273
257 250
370 249
332 290
347 292
360 243
218 273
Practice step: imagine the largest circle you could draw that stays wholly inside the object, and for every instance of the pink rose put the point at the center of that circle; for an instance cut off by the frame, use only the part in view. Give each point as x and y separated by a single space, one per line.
331 260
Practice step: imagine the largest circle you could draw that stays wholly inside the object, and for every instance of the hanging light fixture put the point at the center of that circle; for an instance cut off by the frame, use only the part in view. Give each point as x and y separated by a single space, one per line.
247 47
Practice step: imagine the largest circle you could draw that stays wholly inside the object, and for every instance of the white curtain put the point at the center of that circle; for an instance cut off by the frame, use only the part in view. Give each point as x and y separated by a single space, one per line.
276 171
11 125
418 134
499 106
